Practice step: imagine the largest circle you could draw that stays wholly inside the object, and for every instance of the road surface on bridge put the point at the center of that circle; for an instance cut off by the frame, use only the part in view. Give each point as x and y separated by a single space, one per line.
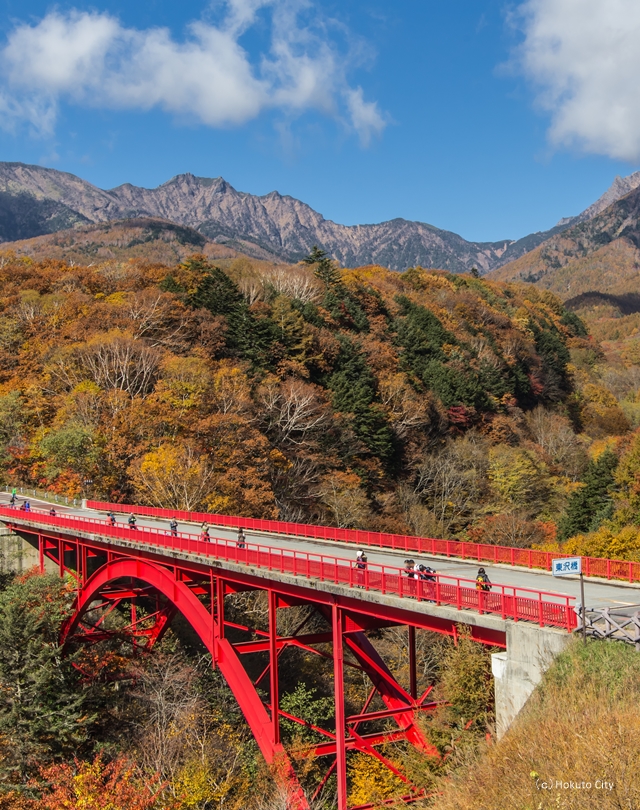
598 593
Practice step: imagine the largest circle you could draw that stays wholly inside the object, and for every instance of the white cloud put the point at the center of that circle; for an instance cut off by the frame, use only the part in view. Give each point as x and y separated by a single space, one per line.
584 58
365 115
92 60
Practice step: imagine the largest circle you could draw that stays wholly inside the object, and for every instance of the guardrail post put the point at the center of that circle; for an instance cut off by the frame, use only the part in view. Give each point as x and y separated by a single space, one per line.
569 613
540 611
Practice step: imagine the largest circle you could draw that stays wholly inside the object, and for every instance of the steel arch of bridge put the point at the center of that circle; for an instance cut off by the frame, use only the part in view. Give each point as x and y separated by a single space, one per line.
197 590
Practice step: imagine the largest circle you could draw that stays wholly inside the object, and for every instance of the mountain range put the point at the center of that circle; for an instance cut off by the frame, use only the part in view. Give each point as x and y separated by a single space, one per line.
35 201
597 254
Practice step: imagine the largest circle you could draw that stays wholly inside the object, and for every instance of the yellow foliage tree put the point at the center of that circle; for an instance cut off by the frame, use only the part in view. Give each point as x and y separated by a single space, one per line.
614 545
515 477
371 781
174 476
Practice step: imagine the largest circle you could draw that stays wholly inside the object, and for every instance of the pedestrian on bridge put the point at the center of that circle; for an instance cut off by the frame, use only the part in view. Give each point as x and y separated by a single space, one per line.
425 572
52 512
173 525
410 568
132 521
361 567
241 541
112 518
27 506
204 532
483 583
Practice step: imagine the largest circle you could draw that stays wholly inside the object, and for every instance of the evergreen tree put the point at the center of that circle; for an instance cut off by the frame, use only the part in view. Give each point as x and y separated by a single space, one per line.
325 269
422 336
555 356
354 392
251 338
42 712
591 504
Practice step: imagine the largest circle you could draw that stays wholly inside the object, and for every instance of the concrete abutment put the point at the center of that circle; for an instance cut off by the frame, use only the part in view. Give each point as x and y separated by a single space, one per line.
16 554
519 669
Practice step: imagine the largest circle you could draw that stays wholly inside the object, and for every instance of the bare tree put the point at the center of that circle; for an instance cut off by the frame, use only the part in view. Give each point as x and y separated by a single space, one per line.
296 485
451 482
166 692
298 283
622 382
118 361
157 317
554 434
294 412
405 409
179 731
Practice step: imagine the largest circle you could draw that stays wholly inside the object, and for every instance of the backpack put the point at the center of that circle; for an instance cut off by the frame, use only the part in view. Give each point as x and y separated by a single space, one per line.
483 582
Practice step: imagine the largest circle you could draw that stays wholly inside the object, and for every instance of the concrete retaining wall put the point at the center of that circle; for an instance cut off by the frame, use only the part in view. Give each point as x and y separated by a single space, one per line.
517 671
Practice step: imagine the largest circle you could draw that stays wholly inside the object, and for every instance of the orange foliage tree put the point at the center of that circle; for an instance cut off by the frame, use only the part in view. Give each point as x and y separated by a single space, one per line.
115 785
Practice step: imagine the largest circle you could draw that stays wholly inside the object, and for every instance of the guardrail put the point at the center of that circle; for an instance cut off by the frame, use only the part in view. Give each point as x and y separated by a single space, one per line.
44 495
618 624
479 552
543 607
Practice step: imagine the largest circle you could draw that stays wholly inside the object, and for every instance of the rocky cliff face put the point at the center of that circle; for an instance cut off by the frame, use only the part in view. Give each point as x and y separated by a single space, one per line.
620 187
36 201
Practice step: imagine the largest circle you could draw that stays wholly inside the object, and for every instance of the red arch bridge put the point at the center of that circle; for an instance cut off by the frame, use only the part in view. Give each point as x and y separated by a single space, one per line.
116 567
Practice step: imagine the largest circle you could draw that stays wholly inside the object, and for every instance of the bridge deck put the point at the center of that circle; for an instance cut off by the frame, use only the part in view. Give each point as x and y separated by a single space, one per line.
532 600
598 593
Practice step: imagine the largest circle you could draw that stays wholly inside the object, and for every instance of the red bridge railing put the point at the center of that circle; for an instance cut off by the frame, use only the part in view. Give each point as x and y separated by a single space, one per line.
542 607
480 552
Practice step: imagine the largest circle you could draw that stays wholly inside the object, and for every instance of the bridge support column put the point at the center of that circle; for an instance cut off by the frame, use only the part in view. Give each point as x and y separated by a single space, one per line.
338 683
273 665
517 671
413 677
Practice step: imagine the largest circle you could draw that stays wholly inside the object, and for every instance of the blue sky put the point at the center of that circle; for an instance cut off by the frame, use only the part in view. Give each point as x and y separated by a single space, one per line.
489 119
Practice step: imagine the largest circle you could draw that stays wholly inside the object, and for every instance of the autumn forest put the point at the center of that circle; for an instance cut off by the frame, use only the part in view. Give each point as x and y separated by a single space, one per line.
424 403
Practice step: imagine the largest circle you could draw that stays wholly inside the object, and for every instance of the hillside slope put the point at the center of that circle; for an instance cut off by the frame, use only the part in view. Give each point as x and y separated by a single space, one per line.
279 394
599 254
150 239
575 744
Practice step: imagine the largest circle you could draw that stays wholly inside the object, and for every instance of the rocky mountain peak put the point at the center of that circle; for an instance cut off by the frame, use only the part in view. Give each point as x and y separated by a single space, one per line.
35 201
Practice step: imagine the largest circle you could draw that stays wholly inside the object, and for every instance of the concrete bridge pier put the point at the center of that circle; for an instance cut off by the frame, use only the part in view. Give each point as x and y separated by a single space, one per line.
16 554
519 669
